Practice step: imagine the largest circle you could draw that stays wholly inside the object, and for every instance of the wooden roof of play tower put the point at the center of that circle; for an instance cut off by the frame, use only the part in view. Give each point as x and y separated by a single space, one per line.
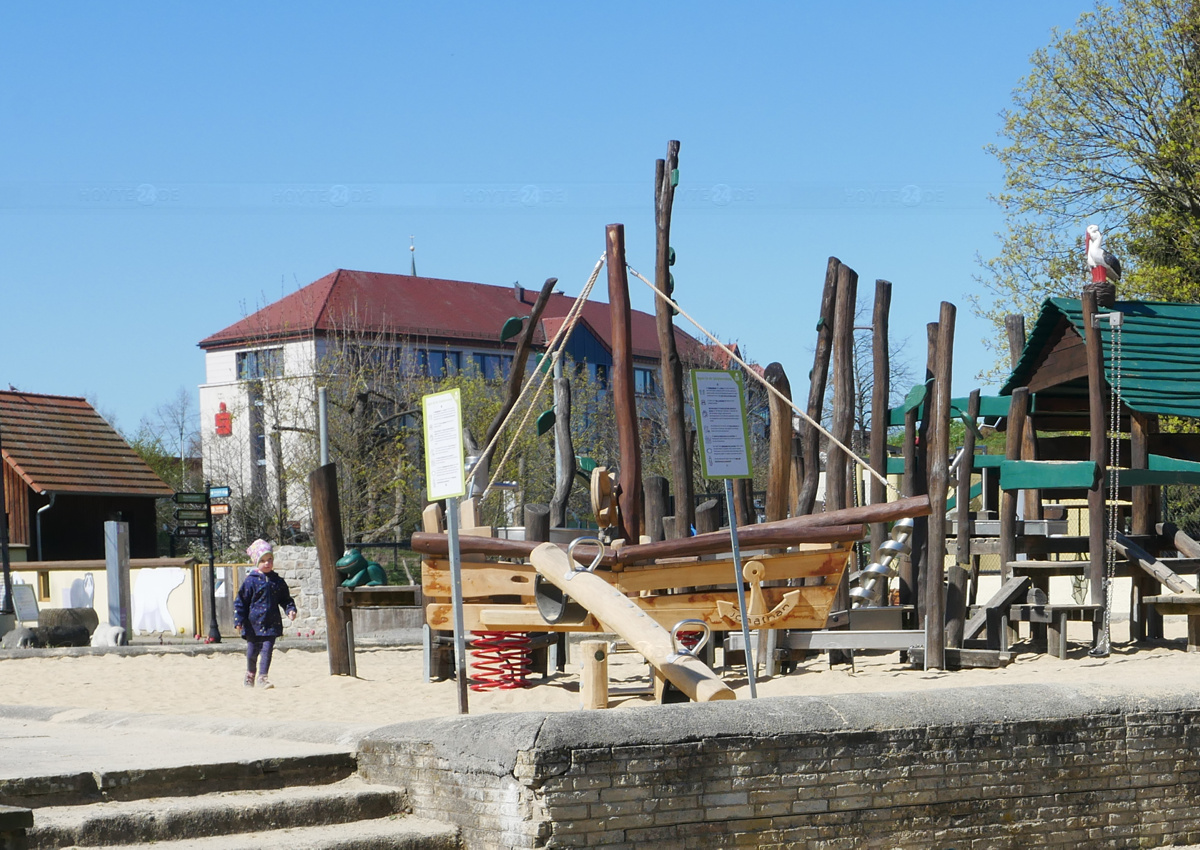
1159 360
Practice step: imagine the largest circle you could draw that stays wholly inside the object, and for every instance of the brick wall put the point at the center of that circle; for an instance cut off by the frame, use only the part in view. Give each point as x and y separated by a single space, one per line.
988 767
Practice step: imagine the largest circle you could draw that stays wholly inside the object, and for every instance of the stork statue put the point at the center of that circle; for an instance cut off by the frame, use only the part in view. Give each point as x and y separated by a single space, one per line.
1106 268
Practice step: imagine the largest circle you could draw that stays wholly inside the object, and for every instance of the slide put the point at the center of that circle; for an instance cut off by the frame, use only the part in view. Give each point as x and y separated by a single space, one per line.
621 614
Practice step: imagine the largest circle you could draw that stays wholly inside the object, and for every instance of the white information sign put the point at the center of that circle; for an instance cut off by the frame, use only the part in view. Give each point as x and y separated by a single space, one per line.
720 401
445 476
25 603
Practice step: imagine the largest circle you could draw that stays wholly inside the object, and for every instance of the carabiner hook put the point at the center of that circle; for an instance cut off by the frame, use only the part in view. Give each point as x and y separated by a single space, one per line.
578 568
680 649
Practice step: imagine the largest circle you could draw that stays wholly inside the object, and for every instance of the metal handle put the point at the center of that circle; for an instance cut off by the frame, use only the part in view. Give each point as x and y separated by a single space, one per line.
576 567
679 648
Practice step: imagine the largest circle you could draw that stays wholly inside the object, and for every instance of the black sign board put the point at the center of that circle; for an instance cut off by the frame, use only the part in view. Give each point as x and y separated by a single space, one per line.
191 498
192 531
193 514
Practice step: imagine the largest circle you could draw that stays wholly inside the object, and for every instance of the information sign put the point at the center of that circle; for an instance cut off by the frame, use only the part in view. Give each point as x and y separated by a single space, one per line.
724 436
191 514
191 498
221 509
218 492
444 473
191 531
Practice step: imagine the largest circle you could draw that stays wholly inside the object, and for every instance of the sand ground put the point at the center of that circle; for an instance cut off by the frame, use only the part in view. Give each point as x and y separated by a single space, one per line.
389 686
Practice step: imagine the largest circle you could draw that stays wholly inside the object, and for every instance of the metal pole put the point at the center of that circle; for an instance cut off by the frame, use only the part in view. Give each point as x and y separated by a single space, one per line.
739 583
323 422
460 641
214 631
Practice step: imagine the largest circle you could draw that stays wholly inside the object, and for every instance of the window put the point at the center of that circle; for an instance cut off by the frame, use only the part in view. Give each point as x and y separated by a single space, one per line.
259 364
600 375
438 364
493 367
643 381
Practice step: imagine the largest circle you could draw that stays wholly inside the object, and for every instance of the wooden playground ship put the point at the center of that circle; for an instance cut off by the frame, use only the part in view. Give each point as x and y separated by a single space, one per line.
1106 372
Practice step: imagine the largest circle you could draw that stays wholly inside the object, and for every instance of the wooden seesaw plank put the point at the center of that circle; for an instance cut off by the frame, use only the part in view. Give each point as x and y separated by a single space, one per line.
635 626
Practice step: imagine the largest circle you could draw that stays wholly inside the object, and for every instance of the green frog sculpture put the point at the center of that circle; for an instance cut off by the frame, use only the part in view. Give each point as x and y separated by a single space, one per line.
358 571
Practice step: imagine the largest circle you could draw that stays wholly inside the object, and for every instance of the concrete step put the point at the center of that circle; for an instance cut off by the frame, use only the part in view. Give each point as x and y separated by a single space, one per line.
398 832
183 780
217 814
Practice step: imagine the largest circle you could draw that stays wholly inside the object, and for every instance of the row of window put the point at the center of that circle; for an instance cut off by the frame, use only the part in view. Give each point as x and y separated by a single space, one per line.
433 363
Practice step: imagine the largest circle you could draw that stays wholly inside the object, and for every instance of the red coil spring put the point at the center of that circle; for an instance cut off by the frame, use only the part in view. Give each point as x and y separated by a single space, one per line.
688 639
500 660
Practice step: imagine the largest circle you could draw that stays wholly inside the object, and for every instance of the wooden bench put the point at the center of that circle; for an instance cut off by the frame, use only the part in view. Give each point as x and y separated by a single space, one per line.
1181 603
1048 622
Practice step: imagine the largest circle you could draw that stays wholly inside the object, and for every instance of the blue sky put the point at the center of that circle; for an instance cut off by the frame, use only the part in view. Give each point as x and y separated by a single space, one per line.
166 168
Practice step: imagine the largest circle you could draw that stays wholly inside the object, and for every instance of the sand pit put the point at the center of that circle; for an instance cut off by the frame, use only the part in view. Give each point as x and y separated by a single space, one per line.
389 687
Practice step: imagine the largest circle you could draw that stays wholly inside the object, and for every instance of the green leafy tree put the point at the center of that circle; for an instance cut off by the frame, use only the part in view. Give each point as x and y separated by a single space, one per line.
1103 129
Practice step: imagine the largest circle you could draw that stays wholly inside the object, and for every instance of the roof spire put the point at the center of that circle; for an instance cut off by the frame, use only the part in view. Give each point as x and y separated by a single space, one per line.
412 253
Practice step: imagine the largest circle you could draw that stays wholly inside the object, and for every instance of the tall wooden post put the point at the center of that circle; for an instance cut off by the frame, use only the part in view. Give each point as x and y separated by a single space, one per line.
908 569
939 481
780 468
962 551
564 449
880 395
1143 621
327 530
810 437
920 479
836 461
1097 395
665 173
1014 325
1018 406
629 494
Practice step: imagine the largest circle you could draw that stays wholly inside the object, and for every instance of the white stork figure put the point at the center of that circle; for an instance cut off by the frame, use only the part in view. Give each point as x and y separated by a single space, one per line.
1106 269
1097 257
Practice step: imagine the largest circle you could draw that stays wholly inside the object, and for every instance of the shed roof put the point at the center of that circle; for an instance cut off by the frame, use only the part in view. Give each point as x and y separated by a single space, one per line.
60 444
424 308
1160 352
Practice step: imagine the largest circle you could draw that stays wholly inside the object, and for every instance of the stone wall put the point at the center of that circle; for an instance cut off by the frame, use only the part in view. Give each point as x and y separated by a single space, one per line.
988 767
298 566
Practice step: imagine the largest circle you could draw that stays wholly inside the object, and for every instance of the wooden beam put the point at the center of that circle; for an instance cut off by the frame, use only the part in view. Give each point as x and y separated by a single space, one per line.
939 481
962 550
671 371
327 531
1151 565
779 473
817 378
1098 446
836 460
880 395
1008 498
618 612
1180 542
629 491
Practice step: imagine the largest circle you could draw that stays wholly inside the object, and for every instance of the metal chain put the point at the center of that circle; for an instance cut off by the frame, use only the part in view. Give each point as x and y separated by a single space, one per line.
1114 447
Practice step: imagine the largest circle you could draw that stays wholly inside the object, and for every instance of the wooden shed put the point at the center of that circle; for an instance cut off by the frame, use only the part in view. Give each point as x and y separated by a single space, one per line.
66 472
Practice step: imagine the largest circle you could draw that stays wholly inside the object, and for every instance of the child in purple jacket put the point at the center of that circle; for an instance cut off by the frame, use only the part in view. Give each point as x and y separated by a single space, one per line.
256 611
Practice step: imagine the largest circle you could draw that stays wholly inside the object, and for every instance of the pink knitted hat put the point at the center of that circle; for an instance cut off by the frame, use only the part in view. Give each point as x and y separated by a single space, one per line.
257 549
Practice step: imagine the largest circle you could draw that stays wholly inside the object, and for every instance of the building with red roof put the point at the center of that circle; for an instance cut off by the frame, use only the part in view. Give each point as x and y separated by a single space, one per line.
443 325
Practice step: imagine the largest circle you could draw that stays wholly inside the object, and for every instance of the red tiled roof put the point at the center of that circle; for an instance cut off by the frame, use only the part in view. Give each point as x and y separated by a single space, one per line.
60 444
421 307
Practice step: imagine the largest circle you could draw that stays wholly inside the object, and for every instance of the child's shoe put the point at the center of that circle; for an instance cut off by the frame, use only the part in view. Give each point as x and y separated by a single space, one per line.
265 683
248 682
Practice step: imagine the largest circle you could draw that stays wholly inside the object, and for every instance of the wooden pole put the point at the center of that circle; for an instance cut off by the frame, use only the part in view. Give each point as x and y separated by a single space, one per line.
836 461
962 549
516 376
1017 408
593 676
908 574
810 437
1014 325
629 492
920 482
564 449
672 367
1098 451
708 517
656 502
779 474
881 389
1144 620
939 482
537 523
327 530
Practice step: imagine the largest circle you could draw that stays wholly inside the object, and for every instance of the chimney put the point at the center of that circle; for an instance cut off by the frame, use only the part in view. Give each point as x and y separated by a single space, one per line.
519 291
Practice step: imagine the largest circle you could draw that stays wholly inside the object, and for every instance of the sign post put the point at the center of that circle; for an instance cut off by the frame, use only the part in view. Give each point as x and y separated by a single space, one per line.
720 400
197 513
445 478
